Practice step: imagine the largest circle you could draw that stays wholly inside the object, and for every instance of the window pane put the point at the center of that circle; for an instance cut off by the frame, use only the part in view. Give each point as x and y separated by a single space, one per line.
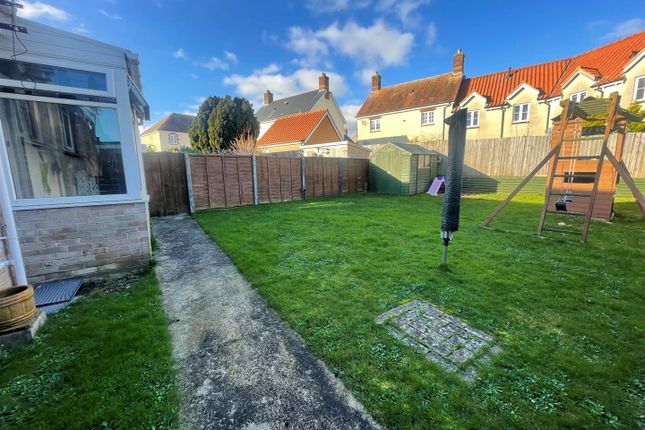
58 150
45 74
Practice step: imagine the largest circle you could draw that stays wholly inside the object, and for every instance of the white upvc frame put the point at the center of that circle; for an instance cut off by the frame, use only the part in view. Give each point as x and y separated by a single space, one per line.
26 58
520 107
636 81
375 121
431 117
578 96
472 113
129 153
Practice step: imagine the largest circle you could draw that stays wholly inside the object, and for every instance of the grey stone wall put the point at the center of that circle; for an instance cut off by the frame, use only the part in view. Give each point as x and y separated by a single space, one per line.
86 241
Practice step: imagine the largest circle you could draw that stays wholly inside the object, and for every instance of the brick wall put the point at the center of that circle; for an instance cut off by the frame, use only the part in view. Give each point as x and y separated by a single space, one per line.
5 275
88 241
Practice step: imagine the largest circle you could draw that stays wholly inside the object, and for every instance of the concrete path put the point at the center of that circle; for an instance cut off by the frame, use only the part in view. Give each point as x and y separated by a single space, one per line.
241 367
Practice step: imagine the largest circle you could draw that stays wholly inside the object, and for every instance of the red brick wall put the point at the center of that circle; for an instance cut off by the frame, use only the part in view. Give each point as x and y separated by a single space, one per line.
87 241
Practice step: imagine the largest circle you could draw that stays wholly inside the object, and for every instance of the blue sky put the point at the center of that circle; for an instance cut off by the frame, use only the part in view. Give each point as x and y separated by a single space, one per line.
193 49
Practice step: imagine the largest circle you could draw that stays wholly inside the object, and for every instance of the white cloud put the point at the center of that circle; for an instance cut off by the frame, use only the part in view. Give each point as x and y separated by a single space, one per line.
376 45
194 76
230 56
80 29
193 107
626 28
365 75
403 9
110 15
180 54
40 10
215 63
349 112
431 34
282 84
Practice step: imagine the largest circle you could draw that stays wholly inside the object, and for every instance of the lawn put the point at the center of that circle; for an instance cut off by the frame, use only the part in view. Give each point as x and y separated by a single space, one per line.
102 363
568 316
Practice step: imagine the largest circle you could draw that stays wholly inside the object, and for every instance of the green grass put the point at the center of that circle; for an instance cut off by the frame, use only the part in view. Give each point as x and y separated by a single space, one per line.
569 316
102 363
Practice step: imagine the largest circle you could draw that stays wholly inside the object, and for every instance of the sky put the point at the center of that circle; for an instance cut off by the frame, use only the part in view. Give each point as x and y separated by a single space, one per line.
192 49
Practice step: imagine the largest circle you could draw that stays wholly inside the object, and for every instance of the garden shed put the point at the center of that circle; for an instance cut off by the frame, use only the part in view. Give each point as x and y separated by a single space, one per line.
403 168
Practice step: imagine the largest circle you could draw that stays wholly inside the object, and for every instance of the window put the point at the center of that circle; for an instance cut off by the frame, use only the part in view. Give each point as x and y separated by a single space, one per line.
472 118
62 150
423 161
53 75
427 117
173 139
578 97
521 113
639 88
375 124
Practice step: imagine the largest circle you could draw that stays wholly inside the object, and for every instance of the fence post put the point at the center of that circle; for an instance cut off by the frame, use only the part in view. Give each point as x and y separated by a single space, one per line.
303 181
189 183
254 165
340 176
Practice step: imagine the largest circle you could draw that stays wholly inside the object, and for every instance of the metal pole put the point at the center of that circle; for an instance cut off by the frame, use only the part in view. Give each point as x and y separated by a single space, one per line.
189 183
12 232
303 180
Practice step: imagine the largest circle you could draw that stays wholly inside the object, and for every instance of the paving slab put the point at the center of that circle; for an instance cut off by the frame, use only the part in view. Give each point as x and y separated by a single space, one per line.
240 365
443 338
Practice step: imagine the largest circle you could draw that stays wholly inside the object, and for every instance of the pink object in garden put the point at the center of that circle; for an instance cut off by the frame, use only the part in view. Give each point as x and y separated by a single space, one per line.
437 186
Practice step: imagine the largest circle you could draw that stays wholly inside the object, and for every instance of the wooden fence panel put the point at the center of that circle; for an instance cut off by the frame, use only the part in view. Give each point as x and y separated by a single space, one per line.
166 183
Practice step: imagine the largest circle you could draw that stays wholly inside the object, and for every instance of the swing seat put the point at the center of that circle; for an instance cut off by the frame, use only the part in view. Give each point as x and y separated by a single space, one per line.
561 205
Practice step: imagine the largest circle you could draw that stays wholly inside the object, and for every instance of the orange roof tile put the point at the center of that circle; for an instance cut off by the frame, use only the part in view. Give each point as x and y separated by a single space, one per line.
605 64
414 94
292 128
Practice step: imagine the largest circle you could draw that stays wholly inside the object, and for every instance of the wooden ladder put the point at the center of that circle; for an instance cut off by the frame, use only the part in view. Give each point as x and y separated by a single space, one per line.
553 172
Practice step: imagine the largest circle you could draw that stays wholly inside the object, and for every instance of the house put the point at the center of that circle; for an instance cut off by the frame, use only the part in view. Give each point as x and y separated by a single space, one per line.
309 134
513 102
73 201
310 101
415 109
169 133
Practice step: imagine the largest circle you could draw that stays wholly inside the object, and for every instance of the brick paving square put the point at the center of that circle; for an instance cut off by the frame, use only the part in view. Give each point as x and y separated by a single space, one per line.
442 338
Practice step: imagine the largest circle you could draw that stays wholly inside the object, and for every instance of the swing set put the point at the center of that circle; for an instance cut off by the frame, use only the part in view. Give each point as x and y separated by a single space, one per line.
583 184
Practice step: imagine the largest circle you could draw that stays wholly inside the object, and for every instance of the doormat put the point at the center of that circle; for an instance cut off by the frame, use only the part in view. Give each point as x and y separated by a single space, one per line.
442 338
53 296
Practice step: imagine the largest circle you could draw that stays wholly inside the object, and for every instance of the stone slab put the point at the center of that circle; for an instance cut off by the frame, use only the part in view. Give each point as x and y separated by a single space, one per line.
25 334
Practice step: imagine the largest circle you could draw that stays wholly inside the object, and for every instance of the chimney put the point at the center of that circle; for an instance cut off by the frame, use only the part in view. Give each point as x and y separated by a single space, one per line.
323 83
268 97
458 62
376 82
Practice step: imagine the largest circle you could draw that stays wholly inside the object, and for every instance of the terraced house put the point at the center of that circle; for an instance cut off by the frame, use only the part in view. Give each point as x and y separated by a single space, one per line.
510 103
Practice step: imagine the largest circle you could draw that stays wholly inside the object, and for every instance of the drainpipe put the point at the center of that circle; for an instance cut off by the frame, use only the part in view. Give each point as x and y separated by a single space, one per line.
443 129
501 131
12 233
548 114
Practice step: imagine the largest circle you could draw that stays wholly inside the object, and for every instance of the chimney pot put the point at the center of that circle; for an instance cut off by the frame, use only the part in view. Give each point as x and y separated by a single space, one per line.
268 97
376 82
323 83
458 62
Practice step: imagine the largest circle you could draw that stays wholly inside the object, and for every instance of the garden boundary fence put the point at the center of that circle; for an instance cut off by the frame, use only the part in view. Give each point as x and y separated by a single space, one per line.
230 180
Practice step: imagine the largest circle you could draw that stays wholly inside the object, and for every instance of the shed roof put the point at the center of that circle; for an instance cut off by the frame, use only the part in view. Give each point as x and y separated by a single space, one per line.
299 103
383 140
410 148
177 122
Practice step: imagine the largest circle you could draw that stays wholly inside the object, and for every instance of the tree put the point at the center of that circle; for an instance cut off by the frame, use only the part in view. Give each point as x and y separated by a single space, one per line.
198 130
220 121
